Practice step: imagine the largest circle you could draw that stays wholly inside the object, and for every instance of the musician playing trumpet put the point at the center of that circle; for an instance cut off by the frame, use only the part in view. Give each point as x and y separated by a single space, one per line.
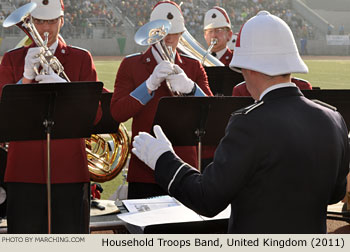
26 160
140 83
217 33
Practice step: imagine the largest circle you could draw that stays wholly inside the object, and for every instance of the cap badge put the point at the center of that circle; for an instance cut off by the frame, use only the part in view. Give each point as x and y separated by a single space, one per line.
45 2
170 16
213 16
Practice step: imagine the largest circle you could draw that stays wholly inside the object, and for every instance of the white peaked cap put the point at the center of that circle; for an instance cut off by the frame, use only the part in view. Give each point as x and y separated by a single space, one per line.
215 18
48 9
168 10
266 44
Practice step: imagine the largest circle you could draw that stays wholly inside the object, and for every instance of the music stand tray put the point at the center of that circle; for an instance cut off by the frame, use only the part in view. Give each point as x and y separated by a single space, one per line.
198 120
48 111
222 79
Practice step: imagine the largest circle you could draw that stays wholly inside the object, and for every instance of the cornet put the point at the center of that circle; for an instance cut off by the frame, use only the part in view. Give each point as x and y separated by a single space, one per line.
21 17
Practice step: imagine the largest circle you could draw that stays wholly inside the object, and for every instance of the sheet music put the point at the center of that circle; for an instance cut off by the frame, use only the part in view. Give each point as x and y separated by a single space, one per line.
163 210
173 214
148 204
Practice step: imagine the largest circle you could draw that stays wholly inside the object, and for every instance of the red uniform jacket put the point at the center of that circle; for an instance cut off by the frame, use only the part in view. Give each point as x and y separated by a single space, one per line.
133 71
241 88
26 161
227 57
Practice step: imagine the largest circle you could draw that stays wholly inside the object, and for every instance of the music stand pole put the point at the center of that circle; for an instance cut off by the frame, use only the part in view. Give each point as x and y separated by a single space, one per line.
48 124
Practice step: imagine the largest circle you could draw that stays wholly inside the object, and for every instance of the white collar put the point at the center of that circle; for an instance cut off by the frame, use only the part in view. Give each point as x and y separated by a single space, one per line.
53 47
221 53
276 86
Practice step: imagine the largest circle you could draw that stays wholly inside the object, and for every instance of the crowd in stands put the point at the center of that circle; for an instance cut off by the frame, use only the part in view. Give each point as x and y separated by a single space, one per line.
82 16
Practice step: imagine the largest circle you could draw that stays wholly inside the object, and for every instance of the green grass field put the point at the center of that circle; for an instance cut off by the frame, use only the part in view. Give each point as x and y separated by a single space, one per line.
323 73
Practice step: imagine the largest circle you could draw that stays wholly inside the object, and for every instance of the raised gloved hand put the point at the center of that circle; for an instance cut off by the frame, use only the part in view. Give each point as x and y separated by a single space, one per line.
160 72
179 82
31 61
52 77
148 149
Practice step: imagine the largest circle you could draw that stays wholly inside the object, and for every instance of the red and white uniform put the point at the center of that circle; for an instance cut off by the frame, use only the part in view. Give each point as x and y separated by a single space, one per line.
241 88
133 72
227 57
26 161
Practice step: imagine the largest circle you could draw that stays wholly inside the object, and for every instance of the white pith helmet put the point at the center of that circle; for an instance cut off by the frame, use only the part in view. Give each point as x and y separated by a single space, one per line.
48 9
215 18
266 44
170 11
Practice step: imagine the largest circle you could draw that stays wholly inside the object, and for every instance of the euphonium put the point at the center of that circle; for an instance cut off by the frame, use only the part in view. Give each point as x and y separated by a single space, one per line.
107 154
21 18
188 45
152 34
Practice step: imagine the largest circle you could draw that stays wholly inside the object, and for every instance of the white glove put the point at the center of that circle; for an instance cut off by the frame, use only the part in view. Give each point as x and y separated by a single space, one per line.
179 82
148 149
160 72
31 61
52 77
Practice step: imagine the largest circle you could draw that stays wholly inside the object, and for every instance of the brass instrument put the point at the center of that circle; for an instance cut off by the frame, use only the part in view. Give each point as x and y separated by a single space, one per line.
188 45
21 18
106 154
152 34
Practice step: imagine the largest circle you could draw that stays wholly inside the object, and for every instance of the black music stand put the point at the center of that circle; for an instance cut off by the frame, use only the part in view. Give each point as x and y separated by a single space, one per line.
222 79
201 120
107 124
48 111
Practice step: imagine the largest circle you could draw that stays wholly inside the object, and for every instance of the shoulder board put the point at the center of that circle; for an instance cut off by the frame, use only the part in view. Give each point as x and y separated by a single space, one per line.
14 49
325 104
79 48
188 56
246 110
133 55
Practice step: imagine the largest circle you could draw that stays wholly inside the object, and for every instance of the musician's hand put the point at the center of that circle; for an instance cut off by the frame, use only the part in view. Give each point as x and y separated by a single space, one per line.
160 72
31 61
52 77
179 82
148 149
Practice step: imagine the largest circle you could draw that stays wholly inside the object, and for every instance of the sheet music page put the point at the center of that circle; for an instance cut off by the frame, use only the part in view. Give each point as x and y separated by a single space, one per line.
173 214
148 204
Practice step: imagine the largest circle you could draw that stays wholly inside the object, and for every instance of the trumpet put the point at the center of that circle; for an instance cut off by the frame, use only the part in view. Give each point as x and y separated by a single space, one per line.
213 42
21 18
153 34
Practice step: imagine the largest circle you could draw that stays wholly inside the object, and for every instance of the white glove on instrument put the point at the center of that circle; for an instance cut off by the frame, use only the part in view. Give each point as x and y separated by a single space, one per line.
179 82
30 62
52 77
148 149
160 72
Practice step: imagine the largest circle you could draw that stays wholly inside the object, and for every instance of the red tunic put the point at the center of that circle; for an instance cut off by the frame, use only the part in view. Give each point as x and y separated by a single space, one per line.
26 161
133 71
227 57
241 88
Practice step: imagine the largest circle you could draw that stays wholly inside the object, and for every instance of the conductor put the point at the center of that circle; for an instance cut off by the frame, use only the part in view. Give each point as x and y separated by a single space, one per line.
282 160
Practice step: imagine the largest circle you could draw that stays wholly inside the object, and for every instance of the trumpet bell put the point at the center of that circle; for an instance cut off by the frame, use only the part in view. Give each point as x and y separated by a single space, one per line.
152 32
18 15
